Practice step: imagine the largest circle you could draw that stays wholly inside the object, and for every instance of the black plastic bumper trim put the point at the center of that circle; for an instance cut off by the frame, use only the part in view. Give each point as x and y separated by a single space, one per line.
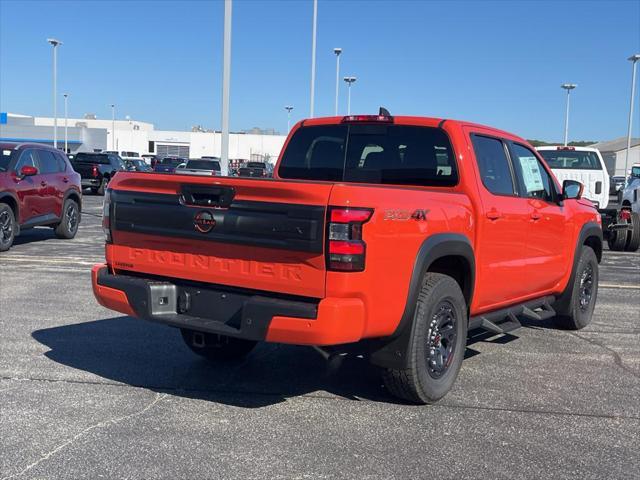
210 308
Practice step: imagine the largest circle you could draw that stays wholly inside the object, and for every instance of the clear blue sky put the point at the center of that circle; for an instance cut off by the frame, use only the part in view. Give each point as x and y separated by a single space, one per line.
499 63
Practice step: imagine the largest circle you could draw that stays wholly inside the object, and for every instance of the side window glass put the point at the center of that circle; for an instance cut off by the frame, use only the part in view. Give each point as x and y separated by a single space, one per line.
493 164
533 178
62 164
27 159
48 162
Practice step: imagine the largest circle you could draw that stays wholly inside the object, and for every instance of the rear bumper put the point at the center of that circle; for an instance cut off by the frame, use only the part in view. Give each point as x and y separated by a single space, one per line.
90 182
232 312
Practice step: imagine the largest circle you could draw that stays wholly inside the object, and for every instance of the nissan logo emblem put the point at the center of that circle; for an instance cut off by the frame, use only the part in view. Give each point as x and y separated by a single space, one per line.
204 221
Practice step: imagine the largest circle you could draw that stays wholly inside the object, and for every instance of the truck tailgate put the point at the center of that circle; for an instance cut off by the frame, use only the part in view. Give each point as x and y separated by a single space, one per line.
257 234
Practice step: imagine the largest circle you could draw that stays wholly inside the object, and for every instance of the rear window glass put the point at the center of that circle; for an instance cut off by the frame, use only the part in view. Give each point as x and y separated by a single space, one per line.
367 153
255 165
91 158
171 161
203 165
571 159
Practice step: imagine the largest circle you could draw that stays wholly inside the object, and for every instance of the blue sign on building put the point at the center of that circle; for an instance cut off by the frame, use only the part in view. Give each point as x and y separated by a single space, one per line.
3 118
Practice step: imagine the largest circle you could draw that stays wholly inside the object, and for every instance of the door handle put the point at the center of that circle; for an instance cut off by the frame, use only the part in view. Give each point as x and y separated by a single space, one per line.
535 216
493 215
43 183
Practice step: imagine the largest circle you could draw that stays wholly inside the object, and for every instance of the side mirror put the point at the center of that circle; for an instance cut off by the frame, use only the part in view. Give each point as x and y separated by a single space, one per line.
572 190
28 171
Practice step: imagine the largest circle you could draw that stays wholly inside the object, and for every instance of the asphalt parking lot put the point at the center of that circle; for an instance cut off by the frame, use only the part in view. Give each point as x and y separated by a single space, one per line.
88 393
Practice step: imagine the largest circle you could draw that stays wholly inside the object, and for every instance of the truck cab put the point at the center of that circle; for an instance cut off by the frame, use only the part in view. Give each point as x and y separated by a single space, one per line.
583 164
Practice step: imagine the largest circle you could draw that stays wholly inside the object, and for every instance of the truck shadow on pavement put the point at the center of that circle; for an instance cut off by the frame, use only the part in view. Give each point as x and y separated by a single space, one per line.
142 354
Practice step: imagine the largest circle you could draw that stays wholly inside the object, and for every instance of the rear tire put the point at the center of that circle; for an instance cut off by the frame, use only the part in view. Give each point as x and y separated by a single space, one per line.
437 344
633 235
7 227
578 311
215 347
617 240
68 226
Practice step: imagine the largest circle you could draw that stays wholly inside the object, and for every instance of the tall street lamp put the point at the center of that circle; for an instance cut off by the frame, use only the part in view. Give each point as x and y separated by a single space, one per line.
349 81
337 51
568 87
313 57
55 44
113 126
226 82
288 108
633 59
66 120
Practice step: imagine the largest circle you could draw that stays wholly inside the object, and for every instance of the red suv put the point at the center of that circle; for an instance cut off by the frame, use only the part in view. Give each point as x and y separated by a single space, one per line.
38 187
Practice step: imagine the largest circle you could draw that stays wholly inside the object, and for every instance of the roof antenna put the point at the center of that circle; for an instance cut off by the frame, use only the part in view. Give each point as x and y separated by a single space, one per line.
384 112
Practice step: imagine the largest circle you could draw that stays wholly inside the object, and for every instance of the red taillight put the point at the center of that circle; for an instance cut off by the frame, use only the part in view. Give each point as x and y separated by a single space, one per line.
367 118
346 249
94 171
625 215
106 216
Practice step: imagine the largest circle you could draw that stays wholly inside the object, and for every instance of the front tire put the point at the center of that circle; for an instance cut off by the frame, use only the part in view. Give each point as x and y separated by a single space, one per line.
7 227
215 347
68 226
437 344
578 311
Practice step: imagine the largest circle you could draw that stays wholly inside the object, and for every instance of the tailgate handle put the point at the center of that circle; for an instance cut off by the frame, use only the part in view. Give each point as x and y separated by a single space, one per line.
205 196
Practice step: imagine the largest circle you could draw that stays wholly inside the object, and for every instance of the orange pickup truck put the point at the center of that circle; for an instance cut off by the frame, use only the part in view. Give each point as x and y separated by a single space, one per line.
395 234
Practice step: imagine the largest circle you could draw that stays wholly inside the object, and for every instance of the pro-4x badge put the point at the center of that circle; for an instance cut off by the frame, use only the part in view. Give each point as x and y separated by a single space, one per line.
420 215
204 222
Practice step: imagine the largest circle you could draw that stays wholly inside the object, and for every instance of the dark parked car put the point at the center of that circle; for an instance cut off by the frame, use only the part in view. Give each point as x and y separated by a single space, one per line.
253 169
37 187
137 166
168 164
150 159
97 169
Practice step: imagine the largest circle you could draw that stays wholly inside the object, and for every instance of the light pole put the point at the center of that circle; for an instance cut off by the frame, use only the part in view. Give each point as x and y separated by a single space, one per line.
226 82
337 51
313 56
55 44
568 87
66 119
349 81
113 126
633 59
288 108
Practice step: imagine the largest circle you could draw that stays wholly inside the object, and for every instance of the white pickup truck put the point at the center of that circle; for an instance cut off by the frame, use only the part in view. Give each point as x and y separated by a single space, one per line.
620 226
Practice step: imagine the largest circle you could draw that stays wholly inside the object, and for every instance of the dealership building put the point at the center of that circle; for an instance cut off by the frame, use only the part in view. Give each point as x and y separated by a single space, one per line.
614 154
91 134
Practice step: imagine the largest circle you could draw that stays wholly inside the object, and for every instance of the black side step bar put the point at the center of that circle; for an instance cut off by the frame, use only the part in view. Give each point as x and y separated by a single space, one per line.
506 320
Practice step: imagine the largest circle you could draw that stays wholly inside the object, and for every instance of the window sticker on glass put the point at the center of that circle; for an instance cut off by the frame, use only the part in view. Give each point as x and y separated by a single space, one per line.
531 174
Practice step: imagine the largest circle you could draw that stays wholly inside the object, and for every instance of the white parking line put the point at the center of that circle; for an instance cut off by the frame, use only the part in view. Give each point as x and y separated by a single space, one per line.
51 262
610 285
